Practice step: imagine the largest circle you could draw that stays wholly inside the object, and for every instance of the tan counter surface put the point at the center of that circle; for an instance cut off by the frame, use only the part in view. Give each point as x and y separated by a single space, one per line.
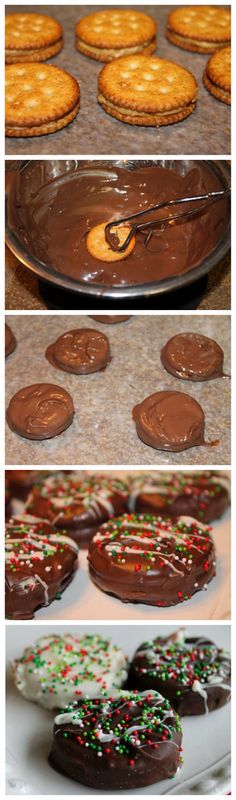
102 432
206 131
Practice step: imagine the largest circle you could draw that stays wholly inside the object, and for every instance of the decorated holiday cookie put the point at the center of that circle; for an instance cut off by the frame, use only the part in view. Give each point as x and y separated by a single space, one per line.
193 673
39 565
78 503
148 559
20 481
202 495
59 669
123 743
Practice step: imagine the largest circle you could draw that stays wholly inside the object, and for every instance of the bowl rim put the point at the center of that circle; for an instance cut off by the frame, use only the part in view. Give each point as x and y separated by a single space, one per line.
47 274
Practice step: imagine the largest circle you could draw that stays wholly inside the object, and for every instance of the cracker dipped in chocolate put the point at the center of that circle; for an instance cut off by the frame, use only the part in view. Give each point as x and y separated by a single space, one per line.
202 495
54 217
7 499
137 737
113 319
40 411
20 481
80 351
154 560
171 421
193 357
193 673
61 669
39 565
10 341
78 503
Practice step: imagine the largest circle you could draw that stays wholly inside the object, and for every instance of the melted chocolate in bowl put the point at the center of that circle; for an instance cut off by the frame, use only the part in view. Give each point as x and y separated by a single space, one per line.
53 222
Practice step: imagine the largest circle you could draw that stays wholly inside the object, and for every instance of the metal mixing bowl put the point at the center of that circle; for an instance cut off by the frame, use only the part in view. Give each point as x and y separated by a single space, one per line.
54 168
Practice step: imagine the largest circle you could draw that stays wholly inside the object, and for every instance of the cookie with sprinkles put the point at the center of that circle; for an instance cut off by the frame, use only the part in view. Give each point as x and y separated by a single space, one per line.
39 565
193 673
20 481
78 504
123 743
159 561
63 669
202 495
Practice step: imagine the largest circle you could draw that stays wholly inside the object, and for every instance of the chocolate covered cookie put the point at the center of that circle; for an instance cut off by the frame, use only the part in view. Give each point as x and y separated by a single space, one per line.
171 421
20 481
109 319
78 503
61 669
10 341
118 744
148 559
80 351
40 411
39 565
192 672
193 357
7 499
202 495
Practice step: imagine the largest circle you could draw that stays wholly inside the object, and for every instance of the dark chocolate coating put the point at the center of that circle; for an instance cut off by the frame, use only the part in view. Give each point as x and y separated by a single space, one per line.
10 341
7 499
193 675
193 357
20 481
171 421
53 217
40 411
110 320
138 558
202 495
78 504
80 351
40 563
112 730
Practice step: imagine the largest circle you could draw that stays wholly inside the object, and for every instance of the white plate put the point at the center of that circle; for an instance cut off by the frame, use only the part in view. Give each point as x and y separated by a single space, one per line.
206 739
83 600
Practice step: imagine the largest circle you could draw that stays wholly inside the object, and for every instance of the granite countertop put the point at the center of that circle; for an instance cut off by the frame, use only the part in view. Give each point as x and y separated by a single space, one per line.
206 131
103 432
22 288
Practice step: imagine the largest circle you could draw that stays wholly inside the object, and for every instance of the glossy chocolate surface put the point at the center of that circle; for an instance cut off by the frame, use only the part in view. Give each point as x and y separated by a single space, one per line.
55 220
112 728
193 357
20 481
10 341
194 674
39 564
78 504
80 351
170 420
40 411
152 560
202 495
